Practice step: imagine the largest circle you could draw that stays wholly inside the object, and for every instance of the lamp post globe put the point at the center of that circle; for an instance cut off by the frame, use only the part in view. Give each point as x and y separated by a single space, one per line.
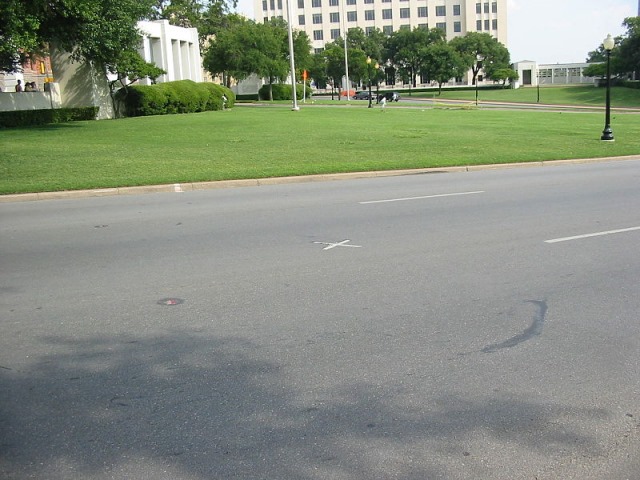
369 75
607 133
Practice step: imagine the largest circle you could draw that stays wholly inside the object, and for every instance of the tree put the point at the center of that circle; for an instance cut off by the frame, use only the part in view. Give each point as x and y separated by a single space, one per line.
333 54
403 49
247 47
19 33
625 56
505 74
96 31
230 52
629 51
480 51
440 62
208 16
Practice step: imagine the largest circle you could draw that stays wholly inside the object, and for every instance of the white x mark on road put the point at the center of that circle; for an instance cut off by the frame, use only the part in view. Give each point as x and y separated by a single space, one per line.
343 243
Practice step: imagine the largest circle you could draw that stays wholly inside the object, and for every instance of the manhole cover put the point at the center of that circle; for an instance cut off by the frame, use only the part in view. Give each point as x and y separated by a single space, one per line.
170 301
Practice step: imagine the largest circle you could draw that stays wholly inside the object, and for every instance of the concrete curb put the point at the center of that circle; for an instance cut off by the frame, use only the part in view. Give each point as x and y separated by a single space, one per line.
189 187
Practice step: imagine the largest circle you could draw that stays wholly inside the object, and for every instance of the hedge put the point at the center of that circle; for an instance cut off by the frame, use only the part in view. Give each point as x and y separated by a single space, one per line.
282 91
182 96
28 118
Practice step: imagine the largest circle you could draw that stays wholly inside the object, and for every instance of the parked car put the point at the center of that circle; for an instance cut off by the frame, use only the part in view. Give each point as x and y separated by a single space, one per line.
364 95
391 96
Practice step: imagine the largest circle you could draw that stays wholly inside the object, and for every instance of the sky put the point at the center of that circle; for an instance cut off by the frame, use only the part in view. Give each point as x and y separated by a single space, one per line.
552 31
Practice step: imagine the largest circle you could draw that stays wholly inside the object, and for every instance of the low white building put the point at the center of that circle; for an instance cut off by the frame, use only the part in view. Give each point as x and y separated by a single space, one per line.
174 49
532 74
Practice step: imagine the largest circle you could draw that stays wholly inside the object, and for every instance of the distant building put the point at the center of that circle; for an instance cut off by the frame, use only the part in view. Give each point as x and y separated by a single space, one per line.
532 74
326 20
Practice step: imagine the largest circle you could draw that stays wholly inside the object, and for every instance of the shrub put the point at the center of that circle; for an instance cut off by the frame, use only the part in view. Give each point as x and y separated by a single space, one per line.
27 118
282 91
631 84
183 96
143 100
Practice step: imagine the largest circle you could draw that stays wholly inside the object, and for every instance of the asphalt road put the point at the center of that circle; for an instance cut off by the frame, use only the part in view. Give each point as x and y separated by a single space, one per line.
479 325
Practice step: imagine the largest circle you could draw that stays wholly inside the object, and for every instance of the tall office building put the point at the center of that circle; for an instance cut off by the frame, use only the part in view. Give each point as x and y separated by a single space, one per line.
326 20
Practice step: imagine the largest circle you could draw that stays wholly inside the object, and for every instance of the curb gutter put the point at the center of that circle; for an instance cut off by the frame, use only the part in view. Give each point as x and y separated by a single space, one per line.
189 187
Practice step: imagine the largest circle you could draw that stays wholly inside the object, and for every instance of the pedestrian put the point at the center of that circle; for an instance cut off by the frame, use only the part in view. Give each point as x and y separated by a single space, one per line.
19 86
383 102
224 101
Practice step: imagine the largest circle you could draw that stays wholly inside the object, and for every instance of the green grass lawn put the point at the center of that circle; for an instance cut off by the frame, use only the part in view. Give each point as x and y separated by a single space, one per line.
588 95
258 142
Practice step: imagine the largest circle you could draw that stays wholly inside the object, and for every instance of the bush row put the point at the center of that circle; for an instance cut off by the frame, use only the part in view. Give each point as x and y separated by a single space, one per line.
631 84
28 118
182 96
282 91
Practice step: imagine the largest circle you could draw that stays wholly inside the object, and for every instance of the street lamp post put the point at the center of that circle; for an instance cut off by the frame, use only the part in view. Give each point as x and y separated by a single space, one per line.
369 72
377 68
607 133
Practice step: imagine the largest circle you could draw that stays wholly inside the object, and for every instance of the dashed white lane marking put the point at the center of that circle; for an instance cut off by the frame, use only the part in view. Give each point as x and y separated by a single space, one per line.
343 243
420 198
588 235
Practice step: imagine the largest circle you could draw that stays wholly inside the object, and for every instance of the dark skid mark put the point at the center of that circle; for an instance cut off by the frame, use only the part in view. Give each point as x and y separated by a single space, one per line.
533 331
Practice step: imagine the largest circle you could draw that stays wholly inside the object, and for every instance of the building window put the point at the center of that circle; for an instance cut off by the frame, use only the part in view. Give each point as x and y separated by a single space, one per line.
317 35
494 24
457 27
486 25
369 15
479 25
317 18
387 14
334 3
424 26
368 2
272 4
405 13
494 7
456 10
334 17
318 50
264 5
405 27
301 20
316 3
351 2
386 1
335 33
478 8
442 26
369 30
486 7
387 29
422 12
300 3
441 11
279 4
352 16
265 20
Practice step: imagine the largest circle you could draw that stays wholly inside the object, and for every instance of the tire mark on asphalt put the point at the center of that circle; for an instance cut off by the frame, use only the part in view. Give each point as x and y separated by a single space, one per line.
533 331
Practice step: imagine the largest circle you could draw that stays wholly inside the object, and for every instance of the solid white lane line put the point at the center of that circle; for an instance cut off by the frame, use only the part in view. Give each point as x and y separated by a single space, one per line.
588 235
420 198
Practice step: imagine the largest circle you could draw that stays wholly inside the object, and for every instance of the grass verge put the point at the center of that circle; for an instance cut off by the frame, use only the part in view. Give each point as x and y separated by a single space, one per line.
264 142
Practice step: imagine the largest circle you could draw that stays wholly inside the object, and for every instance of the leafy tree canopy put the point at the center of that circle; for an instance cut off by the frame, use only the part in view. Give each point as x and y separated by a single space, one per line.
97 31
